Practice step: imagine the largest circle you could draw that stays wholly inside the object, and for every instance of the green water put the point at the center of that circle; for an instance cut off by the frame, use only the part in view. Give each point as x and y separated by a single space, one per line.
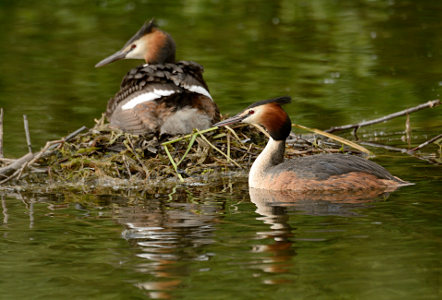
341 61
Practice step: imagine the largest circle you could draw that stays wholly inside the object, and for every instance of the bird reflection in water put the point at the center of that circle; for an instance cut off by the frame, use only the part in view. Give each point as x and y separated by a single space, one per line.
275 208
167 233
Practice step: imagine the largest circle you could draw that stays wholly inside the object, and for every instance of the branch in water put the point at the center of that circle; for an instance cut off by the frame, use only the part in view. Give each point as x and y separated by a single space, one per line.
426 143
18 165
428 104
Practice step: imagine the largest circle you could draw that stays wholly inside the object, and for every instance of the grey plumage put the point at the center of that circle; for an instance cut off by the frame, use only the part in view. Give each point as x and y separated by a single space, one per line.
323 166
150 116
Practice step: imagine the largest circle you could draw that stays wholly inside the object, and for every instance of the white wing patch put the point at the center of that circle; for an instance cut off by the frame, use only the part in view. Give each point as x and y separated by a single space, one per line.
145 97
198 89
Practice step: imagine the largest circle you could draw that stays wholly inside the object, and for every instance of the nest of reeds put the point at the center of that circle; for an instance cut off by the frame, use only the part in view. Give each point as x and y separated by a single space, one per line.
101 156
105 158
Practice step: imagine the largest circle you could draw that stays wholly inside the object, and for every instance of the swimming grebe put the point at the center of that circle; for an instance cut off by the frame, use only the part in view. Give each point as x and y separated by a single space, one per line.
161 96
316 173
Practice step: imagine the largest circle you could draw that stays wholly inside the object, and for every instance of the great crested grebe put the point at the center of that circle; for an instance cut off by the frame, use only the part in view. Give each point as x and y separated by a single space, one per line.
161 96
316 173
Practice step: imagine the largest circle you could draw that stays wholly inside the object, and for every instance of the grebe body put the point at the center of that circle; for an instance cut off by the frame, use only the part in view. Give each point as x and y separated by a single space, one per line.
317 173
162 96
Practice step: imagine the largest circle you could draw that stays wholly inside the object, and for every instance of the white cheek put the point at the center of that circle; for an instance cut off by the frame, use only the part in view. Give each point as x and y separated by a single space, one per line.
253 119
138 52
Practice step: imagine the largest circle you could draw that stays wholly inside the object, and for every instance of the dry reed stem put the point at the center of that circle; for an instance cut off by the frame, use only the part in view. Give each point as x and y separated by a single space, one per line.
336 138
28 135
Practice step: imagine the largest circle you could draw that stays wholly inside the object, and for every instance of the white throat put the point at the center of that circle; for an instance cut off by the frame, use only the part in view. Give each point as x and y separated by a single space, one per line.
272 155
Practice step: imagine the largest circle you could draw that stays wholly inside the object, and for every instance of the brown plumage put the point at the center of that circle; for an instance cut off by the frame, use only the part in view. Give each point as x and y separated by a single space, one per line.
322 173
161 96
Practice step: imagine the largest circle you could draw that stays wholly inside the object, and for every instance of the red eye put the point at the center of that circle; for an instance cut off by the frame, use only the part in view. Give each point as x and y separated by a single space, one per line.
251 112
133 46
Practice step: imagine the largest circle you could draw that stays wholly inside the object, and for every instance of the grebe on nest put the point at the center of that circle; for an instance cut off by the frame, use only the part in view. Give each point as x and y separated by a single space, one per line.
162 96
317 173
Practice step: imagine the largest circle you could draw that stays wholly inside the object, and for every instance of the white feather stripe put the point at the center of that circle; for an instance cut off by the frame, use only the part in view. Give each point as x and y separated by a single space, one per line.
145 97
198 89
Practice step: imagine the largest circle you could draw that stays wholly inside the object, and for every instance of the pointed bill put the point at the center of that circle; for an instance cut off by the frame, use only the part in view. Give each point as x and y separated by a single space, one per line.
114 57
232 120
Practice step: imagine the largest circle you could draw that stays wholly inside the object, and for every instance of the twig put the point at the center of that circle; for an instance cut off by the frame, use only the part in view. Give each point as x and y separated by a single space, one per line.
426 143
263 131
386 147
6 160
402 150
218 150
74 134
250 154
67 138
430 104
336 138
1 132
28 135
126 164
235 135
43 152
40 154
228 145
137 157
52 144
19 165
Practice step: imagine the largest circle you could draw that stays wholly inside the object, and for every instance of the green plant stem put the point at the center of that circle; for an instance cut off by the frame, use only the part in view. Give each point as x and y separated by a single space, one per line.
218 150
173 163
188 136
192 141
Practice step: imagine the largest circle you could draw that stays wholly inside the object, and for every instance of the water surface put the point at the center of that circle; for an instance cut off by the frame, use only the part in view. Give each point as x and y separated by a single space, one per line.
199 243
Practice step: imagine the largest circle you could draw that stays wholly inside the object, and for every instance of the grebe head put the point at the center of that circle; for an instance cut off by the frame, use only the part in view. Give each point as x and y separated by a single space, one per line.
149 43
267 113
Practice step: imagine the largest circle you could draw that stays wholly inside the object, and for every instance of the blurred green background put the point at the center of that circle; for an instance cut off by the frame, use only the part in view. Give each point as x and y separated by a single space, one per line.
341 61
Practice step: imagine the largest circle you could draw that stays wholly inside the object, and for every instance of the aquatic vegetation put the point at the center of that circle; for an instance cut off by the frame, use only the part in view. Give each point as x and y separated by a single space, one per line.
101 156
106 158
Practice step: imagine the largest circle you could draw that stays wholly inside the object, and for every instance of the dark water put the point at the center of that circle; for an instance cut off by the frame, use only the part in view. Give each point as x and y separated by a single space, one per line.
341 61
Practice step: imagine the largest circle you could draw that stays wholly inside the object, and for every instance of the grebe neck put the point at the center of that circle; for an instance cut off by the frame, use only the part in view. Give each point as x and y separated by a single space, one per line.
272 155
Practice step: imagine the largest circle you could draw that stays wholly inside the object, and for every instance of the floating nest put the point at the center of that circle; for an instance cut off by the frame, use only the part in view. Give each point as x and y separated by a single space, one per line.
104 158
107 158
